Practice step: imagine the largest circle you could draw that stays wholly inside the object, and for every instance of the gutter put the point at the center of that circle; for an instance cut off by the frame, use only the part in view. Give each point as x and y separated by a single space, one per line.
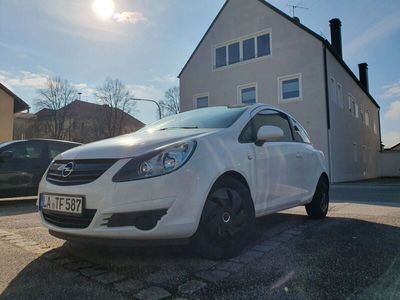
328 119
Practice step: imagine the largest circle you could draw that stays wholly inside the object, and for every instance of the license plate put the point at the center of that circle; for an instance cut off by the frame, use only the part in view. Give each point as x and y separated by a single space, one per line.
63 204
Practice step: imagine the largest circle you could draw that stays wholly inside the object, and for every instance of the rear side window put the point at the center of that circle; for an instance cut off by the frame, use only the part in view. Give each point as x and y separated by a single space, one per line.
266 117
57 148
300 134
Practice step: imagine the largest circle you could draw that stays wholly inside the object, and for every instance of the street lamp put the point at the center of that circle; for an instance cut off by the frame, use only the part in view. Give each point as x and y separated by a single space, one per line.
149 100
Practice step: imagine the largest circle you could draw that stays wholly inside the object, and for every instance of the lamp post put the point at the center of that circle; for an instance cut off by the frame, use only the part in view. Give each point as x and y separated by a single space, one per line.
150 100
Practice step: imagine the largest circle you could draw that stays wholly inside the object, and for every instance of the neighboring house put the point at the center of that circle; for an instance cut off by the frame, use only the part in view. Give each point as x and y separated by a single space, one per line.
24 126
9 105
84 122
389 162
253 52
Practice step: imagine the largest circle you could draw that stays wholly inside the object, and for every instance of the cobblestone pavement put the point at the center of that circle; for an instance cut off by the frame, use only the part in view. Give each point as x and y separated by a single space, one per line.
354 253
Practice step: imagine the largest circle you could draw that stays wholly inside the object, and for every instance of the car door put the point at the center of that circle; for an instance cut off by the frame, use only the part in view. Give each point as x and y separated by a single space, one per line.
38 161
19 174
278 163
310 164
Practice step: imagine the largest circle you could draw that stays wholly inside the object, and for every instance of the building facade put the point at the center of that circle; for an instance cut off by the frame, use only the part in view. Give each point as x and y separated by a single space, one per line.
9 105
253 52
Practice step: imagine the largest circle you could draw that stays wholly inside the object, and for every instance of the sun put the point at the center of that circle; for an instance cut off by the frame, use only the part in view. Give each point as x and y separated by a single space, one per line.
103 8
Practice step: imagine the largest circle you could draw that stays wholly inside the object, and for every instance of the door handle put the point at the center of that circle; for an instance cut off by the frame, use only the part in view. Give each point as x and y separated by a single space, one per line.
299 155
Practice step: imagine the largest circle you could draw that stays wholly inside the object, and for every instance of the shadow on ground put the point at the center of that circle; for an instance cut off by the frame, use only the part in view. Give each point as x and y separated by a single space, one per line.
12 208
336 258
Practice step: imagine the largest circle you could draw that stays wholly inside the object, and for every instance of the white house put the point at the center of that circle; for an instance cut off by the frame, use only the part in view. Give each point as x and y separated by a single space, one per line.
253 52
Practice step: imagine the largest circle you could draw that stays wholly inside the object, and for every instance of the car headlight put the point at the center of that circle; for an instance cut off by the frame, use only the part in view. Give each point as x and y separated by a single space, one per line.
156 163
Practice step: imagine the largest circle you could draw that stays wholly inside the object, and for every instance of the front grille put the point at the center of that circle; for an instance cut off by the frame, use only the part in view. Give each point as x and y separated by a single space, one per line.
83 171
70 221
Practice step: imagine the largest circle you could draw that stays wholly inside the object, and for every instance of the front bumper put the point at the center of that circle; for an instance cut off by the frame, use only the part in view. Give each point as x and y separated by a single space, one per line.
180 194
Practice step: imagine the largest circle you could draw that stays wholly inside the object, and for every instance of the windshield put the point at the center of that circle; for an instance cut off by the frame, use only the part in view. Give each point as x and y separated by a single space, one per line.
210 117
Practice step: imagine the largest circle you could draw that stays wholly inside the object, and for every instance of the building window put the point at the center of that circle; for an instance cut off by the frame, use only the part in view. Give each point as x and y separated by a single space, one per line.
234 53
247 93
333 89
356 109
367 118
364 154
243 49
263 45
290 87
375 128
355 154
249 49
201 100
362 113
339 93
220 57
350 100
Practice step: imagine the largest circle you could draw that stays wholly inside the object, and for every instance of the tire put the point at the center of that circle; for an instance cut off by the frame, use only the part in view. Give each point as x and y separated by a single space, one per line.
319 205
226 221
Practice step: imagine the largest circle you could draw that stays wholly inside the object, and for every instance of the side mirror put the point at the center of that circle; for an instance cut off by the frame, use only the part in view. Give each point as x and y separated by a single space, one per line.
268 133
6 155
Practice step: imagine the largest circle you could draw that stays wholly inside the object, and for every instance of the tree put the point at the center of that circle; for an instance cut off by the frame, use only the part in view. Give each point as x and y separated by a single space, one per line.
170 106
57 94
117 98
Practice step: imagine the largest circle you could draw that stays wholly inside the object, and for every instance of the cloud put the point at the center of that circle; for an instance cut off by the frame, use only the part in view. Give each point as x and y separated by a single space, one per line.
394 111
145 91
130 17
23 79
373 34
168 79
391 138
391 90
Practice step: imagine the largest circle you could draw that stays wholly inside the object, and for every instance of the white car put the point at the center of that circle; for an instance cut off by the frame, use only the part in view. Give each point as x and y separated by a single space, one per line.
202 175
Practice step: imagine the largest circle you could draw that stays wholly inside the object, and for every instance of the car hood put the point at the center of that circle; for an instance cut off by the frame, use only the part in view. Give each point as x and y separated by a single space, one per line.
132 144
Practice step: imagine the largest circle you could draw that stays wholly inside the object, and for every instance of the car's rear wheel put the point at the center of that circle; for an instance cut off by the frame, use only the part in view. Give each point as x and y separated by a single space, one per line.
318 207
227 219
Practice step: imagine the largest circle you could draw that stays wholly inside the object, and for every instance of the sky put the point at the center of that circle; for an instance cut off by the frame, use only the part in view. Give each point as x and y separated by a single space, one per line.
145 43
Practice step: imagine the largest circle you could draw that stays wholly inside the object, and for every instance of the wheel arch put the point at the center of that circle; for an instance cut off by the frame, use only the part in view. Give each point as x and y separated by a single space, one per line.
325 177
232 174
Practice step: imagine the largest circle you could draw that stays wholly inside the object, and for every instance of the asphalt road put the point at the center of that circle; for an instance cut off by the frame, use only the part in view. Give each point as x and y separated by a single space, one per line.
353 254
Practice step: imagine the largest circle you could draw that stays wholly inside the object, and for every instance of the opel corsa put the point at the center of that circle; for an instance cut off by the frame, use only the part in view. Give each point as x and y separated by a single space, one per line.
203 175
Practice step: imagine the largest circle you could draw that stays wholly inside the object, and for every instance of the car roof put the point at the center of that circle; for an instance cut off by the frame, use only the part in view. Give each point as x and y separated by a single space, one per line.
45 140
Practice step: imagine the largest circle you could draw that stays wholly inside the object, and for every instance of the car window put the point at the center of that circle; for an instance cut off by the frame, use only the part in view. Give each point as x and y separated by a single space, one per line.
300 134
263 118
57 148
26 150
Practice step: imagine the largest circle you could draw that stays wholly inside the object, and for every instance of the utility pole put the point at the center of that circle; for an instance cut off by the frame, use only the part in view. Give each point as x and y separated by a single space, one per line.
294 7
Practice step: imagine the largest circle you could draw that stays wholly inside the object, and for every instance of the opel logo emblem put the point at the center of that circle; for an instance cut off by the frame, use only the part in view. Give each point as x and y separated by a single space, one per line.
67 169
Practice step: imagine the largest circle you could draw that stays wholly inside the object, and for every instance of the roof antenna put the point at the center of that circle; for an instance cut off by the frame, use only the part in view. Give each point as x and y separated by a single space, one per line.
294 7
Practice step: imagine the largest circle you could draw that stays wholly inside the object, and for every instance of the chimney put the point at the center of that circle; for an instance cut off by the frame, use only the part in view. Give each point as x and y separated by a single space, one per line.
363 71
336 36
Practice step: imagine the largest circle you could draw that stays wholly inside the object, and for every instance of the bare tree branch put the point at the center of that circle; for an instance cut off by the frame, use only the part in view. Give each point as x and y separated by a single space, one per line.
171 105
57 94
116 97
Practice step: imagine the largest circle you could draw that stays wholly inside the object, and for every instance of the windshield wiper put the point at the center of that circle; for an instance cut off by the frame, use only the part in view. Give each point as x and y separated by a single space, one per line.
180 127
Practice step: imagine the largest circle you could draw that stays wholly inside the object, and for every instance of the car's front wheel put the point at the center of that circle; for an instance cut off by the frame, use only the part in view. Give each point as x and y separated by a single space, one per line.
318 207
227 219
